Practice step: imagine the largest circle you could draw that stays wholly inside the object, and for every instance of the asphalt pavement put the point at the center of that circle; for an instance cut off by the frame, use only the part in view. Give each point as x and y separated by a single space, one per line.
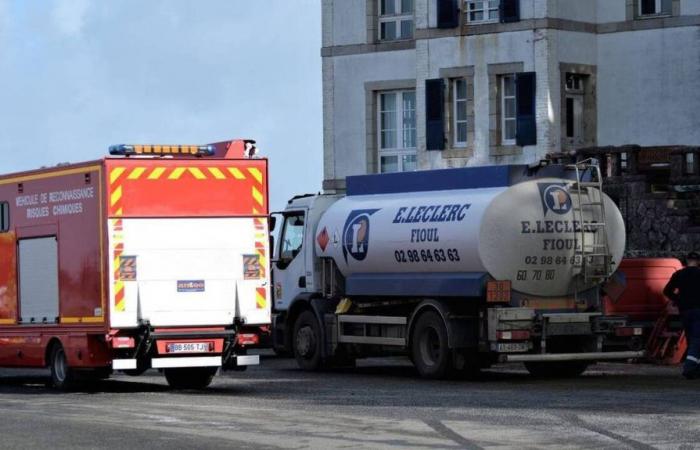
381 404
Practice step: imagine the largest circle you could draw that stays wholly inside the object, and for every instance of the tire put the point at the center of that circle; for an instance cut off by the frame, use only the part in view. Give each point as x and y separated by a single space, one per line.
565 369
190 377
62 376
430 352
306 341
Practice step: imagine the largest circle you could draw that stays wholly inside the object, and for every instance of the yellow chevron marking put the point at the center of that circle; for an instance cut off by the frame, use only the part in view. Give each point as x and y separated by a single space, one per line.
116 195
116 173
218 174
176 174
237 174
198 174
119 212
261 301
136 173
256 174
156 174
257 195
121 306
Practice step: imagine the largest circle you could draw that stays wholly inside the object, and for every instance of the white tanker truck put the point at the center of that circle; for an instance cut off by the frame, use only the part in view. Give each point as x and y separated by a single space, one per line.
458 268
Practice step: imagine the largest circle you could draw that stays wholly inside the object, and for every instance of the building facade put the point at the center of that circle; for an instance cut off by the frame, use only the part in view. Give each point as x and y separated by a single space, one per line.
421 84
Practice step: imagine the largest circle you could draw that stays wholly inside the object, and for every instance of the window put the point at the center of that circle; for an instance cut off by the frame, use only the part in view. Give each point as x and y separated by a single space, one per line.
654 7
292 239
397 131
459 112
482 10
508 110
395 19
689 163
574 88
4 217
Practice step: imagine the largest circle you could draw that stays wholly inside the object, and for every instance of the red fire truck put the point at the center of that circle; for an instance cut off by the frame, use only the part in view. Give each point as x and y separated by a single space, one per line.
154 257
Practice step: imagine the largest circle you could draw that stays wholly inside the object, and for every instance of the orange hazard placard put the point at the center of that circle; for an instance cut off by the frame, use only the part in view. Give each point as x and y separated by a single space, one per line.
251 267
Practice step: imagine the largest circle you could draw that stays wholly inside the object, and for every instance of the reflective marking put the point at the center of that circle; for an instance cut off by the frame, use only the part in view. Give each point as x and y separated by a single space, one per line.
136 173
693 358
176 174
116 173
197 173
157 172
116 195
237 174
256 174
218 174
257 195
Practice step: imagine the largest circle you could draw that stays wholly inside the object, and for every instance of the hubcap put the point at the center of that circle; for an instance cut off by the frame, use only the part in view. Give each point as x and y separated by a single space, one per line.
305 342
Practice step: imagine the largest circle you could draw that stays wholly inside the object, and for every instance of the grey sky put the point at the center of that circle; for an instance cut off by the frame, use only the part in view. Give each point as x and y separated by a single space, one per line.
79 75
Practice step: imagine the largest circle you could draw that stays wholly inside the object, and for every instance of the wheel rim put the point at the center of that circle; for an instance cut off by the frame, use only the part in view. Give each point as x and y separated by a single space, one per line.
305 342
59 365
430 346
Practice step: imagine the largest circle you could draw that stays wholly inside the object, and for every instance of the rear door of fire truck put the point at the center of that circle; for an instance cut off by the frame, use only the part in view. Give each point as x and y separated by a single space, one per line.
188 243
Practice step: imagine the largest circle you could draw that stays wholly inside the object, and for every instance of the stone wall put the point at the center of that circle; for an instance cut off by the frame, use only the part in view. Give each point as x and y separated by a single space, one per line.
658 192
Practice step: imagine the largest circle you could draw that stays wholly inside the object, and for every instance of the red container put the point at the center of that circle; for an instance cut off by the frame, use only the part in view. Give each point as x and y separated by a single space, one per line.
643 299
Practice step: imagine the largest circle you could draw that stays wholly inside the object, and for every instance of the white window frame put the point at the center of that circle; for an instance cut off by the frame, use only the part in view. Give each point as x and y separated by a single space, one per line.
456 104
659 5
575 88
400 151
504 139
484 8
397 18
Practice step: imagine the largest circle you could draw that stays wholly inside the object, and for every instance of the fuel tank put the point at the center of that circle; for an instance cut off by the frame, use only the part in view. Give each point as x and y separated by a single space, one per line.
506 221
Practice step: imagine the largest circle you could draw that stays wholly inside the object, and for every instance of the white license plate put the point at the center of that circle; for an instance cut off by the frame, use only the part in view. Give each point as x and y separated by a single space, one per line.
188 347
512 347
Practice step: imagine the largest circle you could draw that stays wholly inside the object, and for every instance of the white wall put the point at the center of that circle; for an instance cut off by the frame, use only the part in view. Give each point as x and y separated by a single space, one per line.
349 22
351 74
690 7
611 10
648 87
579 10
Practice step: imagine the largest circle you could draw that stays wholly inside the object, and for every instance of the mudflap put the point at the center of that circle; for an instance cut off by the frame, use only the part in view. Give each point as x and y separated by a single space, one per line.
325 312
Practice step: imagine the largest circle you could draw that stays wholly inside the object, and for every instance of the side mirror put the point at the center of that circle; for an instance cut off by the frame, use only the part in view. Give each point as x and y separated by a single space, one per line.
273 250
273 224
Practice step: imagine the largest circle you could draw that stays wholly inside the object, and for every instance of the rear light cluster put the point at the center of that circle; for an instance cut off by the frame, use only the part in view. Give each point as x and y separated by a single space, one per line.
513 335
123 342
248 339
628 331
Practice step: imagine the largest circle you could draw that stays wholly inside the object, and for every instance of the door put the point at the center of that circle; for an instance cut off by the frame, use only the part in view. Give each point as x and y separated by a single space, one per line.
38 280
290 270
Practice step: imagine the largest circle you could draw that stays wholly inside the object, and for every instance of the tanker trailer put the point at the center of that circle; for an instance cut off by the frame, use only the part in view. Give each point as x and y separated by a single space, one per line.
459 269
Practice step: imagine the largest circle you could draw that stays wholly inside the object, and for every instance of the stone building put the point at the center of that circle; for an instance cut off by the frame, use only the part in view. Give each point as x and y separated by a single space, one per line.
420 84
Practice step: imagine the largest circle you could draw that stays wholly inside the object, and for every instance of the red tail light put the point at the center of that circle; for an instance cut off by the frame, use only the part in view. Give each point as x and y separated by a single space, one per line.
248 339
513 335
628 331
123 342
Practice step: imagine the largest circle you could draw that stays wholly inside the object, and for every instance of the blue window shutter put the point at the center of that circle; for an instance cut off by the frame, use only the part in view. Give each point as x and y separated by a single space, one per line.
435 114
447 13
526 93
509 11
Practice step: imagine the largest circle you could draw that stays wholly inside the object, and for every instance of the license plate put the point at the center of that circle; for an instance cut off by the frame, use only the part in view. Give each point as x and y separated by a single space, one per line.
512 347
188 347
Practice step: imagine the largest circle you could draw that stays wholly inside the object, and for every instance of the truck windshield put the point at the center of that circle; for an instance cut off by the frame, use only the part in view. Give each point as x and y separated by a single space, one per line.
292 237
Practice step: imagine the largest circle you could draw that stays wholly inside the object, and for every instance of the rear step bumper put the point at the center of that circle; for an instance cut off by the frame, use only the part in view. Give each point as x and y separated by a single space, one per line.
190 361
554 357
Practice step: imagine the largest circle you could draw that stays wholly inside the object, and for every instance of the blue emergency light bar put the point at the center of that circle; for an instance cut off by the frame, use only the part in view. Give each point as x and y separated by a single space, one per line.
193 150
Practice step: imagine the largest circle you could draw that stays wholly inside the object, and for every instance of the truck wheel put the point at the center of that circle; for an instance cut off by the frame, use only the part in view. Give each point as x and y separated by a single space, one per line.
306 341
190 377
62 376
429 349
564 369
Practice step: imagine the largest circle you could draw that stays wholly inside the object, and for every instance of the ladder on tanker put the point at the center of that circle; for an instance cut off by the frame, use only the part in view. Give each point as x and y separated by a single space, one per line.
592 254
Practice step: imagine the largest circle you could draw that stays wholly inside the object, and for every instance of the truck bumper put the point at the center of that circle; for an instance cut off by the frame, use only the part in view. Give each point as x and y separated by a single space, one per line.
556 357
190 361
